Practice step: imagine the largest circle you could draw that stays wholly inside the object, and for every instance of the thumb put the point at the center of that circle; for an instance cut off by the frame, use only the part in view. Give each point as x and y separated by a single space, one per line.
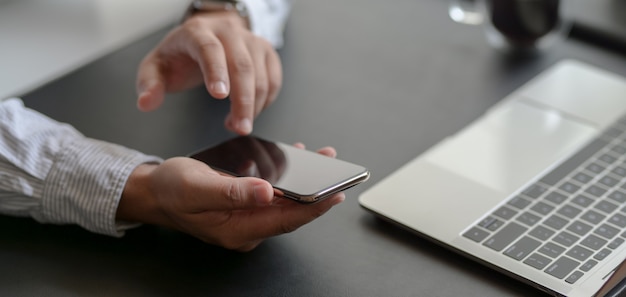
240 193
150 85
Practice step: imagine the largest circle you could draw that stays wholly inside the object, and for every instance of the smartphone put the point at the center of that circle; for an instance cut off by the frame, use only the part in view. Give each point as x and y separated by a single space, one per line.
297 174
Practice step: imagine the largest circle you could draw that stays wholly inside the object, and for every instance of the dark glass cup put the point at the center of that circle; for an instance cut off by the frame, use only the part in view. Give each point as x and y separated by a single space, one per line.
521 26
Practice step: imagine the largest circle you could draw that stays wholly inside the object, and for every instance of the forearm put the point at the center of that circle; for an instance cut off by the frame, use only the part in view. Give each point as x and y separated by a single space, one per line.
54 174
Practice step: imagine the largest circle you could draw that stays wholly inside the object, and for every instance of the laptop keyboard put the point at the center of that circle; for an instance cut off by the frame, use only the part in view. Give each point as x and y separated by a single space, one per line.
569 220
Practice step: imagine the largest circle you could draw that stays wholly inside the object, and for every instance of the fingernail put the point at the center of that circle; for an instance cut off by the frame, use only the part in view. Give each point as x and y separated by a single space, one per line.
142 101
245 126
260 195
220 87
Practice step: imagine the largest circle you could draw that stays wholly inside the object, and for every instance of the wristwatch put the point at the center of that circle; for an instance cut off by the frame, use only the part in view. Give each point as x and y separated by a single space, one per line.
219 5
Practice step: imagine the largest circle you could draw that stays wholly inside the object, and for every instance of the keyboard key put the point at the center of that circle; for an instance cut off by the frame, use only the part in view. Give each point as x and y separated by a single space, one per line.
542 208
537 261
573 162
569 211
579 228
495 225
601 255
572 278
519 202
528 218
476 234
606 231
609 181
618 196
556 197
579 253
486 221
522 248
618 220
621 171
595 191
616 243
620 150
551 250
595 168
588 265
562 267
505 236
505 213
593 217
608 159
605 206
534 191
582 178
593 242
555 222
541 232
582 200
569 187
566 239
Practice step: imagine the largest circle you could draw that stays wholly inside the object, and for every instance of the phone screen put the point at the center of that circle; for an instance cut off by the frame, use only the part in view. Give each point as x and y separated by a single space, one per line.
298 174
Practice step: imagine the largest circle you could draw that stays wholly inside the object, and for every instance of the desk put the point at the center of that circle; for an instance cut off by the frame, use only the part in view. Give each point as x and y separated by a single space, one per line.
381 83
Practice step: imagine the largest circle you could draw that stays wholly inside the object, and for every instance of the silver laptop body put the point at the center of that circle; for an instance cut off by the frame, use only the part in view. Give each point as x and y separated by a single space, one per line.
534 188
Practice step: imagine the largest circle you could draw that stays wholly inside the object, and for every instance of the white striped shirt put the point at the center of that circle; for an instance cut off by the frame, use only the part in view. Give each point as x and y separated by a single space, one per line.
268 18
54 174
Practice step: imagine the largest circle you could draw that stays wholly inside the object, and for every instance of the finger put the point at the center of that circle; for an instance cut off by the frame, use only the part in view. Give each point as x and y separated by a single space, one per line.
328 151
150 85
210 55
249 246
242 76
229 193
260 75
275 76
299 145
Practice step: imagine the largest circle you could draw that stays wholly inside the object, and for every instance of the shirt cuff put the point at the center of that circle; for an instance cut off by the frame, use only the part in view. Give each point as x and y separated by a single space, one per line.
268 19
85 184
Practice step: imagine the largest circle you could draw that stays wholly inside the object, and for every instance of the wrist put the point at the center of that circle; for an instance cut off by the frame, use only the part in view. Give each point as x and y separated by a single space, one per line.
138 203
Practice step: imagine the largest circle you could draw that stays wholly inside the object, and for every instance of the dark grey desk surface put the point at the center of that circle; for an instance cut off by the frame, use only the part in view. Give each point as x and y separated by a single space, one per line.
381 81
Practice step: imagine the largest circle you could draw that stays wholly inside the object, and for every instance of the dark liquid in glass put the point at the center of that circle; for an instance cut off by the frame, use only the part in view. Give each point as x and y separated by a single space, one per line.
524 22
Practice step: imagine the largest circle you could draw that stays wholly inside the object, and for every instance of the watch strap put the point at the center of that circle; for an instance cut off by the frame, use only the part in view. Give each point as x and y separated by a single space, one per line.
218 5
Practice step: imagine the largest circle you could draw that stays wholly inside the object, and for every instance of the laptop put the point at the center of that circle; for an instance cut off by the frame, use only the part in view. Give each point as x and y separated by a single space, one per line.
601 22
535 188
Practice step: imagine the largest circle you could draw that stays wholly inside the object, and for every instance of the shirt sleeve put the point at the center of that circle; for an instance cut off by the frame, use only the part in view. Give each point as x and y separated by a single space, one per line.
52 173
268 19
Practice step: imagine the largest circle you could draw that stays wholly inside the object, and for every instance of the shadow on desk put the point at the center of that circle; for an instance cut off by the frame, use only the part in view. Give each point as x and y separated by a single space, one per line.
445 257
148 261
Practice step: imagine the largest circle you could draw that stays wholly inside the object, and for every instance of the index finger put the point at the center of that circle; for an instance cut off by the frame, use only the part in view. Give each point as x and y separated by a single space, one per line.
242 79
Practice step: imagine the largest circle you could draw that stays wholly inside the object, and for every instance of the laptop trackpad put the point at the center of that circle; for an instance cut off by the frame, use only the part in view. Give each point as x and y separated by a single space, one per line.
510 145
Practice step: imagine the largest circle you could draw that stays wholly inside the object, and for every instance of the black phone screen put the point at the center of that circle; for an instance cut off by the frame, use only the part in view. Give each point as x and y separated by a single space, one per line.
299 174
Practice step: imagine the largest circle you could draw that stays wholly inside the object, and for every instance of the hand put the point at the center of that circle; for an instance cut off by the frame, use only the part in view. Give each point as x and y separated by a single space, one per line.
236 213
218 49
